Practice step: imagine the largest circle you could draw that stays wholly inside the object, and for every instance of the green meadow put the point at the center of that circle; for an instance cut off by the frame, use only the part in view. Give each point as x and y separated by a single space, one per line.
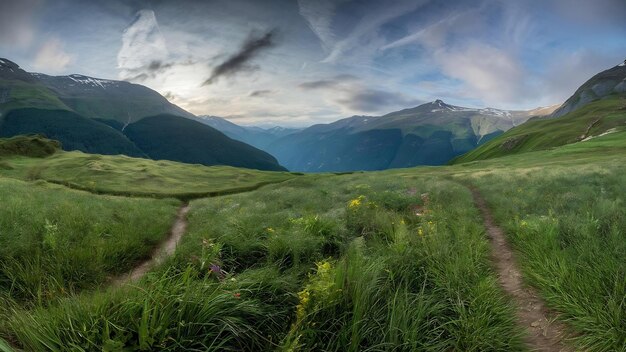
367 261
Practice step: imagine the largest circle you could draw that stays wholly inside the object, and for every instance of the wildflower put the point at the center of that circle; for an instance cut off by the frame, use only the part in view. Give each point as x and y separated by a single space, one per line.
237 295
270 230
420 232
523 223
304 296
402 222
215 269
356 202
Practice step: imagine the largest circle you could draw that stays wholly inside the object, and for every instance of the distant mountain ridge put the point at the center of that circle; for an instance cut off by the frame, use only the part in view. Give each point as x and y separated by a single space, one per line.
114 117
429 134
255 136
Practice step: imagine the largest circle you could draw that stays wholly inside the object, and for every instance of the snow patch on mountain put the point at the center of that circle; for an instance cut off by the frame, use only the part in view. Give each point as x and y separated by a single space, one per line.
95 82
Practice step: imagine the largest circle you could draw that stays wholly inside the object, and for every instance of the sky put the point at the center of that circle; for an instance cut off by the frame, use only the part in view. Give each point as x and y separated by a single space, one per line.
300 62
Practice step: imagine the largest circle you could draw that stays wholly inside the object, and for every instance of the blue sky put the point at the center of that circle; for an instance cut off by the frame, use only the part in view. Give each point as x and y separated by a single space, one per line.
295 63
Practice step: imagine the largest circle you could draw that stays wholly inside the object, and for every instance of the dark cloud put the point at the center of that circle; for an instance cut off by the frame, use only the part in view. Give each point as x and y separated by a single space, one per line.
153 69
157 66
355 96
371 100
333 82
261 93
321 84
239 61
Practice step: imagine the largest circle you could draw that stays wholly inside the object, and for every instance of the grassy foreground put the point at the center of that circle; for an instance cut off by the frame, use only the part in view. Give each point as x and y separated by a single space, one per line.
339 263
383 261
55 241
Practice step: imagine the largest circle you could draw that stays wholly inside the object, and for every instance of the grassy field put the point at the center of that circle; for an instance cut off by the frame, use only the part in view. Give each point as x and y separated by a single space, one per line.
379 261
121 175
55 241
332 263
568 224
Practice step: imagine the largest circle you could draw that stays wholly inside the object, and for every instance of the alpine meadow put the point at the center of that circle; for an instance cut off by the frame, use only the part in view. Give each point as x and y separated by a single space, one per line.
313 175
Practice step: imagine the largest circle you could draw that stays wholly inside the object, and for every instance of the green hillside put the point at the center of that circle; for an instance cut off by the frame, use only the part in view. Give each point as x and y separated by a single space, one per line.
15 94
124 175
594 119
174 138
33 146
72 130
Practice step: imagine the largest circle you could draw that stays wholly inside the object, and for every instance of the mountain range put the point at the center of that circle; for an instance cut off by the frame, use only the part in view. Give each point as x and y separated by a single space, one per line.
253 135
114 117
429 134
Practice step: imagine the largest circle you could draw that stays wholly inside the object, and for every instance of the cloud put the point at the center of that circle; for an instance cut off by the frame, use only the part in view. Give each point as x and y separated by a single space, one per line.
239 61
319 16
261 93
143 48
365 31
52 57
16 22
333 82
373 100
488 73
351 93
560 83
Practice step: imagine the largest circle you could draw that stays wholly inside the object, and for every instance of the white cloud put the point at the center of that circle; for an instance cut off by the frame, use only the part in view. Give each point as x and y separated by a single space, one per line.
142 44
489 73
366 30
319 16
52 57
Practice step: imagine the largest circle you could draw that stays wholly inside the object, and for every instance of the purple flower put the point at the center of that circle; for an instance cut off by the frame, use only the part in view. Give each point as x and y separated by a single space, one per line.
215 269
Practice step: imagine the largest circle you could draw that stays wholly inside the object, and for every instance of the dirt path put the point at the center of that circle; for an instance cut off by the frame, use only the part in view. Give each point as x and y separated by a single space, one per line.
164 250
543 333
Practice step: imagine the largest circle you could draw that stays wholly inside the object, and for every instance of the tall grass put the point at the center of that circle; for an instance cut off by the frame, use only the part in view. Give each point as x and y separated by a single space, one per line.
568 224
297 266
54 241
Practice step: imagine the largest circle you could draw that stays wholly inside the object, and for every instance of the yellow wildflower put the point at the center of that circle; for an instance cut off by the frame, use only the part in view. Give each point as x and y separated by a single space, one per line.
420 232
304 296
355 203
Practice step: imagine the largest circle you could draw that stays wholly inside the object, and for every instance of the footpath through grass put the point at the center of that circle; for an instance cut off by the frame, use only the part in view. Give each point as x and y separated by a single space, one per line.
337 263
568 223
381 261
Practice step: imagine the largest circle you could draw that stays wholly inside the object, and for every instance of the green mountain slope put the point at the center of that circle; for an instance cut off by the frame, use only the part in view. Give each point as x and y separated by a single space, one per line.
598 107
19 89
90 97
604 84
594 119
430 134
108 99
94 115
170 137
72 130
